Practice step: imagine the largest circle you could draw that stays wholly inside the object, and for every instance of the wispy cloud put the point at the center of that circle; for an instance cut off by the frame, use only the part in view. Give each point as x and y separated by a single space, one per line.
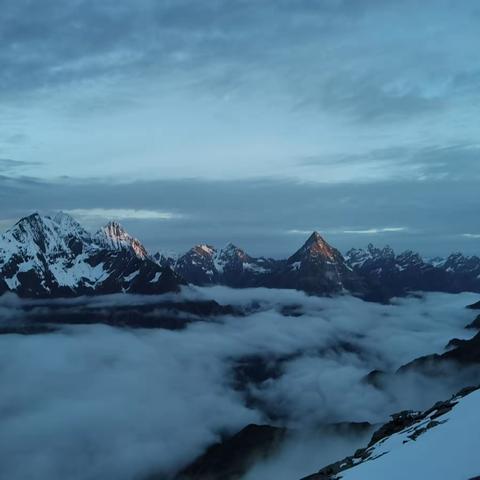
375 231
8 165
123 214
366 231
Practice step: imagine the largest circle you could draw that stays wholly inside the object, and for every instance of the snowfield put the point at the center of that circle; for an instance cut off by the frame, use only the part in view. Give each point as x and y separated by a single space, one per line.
448 451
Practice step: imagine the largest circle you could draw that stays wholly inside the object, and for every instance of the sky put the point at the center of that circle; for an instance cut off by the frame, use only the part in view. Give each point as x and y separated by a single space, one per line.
250 121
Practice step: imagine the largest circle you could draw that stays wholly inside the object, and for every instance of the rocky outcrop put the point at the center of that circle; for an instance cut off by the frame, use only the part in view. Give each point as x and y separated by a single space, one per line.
232 457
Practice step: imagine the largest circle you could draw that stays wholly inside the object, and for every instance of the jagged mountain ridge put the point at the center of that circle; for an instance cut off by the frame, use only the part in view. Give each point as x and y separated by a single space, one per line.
55 256
316 268
372 273
390 274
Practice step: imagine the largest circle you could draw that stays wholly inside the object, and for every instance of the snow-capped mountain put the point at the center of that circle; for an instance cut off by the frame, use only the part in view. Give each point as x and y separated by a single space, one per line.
402 448
390 274
459 263
56 256
205 265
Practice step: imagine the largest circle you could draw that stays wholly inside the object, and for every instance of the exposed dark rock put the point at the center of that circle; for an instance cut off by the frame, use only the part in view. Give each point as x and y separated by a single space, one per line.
465 352
475 324
375 378
399 422
167 314
26 329
292 310
230 458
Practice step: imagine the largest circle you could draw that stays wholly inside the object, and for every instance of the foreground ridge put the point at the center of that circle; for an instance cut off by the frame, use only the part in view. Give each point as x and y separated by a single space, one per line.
396 450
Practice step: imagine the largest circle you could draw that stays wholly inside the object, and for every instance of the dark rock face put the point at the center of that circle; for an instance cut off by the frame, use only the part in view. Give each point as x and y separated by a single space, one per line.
43 316
317 267
56 257
388 274
231 458
464 353
475 324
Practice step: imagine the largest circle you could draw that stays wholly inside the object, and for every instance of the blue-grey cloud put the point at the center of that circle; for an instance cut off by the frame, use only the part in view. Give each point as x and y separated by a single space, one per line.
347 56
259 215
454 161
10 166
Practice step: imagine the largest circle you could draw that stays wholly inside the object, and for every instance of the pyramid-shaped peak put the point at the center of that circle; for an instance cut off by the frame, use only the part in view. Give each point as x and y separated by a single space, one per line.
315 237
316 247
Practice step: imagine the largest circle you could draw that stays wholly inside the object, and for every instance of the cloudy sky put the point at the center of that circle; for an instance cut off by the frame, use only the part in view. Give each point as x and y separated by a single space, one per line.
247 120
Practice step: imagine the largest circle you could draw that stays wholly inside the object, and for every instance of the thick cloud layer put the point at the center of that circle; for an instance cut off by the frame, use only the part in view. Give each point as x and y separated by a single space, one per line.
92 402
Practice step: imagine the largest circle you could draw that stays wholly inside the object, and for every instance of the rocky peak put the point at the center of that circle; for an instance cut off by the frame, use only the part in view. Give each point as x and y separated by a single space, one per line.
204 250
34 234
459 263
316 248
231 252
33 225
115 237
410 258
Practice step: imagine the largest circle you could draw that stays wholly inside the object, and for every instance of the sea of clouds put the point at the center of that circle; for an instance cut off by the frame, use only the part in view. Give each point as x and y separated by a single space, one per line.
92 402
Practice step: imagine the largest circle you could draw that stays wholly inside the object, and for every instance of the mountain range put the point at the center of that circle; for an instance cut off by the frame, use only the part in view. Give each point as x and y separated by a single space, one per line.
42 256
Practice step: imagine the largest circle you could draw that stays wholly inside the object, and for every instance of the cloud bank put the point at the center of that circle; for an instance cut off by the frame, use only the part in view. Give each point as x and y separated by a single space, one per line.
91 402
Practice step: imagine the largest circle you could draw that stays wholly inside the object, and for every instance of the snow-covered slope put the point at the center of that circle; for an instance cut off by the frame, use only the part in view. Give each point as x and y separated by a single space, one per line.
441 443
56 256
